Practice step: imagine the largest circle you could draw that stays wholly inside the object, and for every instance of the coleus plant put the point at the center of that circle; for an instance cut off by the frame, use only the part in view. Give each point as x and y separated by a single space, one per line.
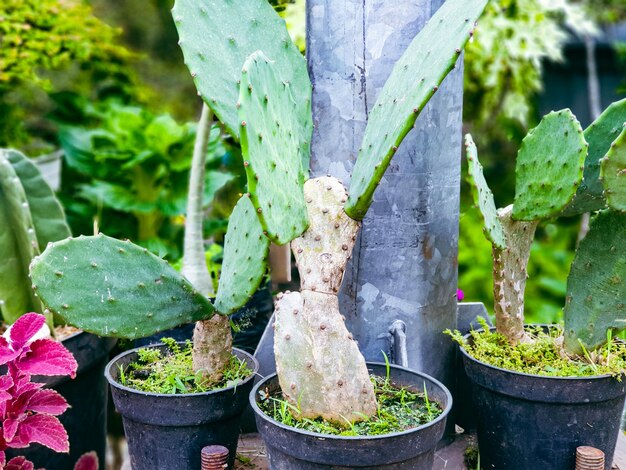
562 170
255 81
28 412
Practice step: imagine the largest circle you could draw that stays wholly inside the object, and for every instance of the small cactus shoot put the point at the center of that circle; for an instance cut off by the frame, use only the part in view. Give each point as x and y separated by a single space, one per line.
413 81
613 173
114 288
596 286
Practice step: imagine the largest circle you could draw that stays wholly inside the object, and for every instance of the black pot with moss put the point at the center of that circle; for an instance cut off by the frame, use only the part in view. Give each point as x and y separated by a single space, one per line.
169 430
536 421
289 447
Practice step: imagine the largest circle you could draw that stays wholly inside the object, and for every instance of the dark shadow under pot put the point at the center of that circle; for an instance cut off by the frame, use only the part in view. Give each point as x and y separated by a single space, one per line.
289 448
85 420
169 431
528 421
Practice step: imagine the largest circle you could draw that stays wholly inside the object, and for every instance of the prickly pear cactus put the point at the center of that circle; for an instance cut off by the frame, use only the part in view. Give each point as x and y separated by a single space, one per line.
613 173
320 368
272 147
245 258
414 80
483 196
217 36
114 288
599 135
596 286
549 168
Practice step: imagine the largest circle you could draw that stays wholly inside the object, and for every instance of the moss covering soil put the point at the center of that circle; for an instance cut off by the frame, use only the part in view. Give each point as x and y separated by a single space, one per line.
544 355
399 409
171 371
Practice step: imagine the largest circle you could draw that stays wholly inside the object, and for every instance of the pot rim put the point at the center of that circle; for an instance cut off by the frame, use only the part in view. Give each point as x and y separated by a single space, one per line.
525 374
441 417
119 386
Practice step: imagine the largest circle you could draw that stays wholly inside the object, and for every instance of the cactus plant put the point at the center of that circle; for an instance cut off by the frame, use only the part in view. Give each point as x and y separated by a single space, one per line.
554 178
251 76
30 218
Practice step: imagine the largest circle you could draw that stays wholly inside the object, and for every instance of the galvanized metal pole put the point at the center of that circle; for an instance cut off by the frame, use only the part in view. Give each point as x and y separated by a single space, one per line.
405 265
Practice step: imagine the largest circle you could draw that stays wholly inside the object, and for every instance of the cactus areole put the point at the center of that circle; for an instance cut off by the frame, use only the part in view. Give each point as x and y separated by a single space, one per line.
256 82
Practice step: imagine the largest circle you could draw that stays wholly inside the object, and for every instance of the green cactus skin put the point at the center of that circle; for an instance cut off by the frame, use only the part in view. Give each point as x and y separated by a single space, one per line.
114 288
414 80
320 369
613 173
599 135
271 143
483 197
596 286
549 168
18 245
217 36
245 258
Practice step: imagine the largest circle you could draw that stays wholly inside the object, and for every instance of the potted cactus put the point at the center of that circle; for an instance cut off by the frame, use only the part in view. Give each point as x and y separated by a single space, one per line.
30 218
255 81
560 386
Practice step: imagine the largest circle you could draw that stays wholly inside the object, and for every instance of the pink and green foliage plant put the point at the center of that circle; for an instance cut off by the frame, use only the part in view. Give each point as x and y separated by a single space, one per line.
88 461
28 411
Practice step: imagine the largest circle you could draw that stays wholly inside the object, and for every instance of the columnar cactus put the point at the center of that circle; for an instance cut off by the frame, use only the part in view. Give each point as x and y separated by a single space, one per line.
30 218
255 81
558 170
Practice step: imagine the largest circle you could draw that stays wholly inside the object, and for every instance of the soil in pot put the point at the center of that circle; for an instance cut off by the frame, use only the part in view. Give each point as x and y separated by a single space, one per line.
167 430
297 446
536 420
85 420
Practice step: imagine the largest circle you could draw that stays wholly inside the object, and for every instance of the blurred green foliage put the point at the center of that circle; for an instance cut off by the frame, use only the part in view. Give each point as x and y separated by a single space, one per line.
129 171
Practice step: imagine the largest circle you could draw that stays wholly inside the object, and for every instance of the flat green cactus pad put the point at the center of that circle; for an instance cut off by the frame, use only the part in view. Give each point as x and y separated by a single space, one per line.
114 288
413 81
46 211
599 135
613 173
245 258
271 143
549 167
483 196
18 244
596 286
217 36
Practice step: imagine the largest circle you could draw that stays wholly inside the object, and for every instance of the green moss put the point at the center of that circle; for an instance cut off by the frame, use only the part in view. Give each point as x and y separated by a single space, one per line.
171 372
544 355
399 409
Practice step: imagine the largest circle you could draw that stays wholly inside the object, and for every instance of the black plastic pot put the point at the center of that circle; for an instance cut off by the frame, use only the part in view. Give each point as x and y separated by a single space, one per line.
289 448
85 421
528 421
169 431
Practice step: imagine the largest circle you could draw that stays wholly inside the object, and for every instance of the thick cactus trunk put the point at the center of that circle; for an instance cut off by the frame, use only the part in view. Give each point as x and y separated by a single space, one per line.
320 368
509 275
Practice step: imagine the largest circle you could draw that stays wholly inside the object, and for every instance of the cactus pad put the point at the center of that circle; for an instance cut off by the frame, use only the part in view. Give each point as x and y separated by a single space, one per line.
549 167
483 196
46 211
596 286
217 36
613 173
320 369
599 135
114 288
245 258
413 81
18 245
271 143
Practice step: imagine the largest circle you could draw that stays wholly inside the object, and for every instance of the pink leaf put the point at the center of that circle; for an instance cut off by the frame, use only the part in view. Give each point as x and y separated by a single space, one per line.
47 357
6 353
47 401
10 427
88 461
3 458
43 429
6 382
19 463
24 329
